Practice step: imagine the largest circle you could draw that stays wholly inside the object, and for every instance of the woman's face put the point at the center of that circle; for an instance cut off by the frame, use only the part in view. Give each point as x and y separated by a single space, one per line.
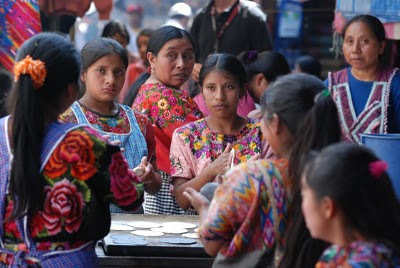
221 93
104 78
174 62
361 49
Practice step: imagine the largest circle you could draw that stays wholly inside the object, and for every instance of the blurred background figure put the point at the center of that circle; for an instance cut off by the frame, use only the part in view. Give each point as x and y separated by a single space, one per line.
179 15
6 83
308 64
136 68
262 69
117 31
135 22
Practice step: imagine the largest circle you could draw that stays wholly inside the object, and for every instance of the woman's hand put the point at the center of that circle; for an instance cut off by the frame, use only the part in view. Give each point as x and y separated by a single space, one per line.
197 200
150 178
223 163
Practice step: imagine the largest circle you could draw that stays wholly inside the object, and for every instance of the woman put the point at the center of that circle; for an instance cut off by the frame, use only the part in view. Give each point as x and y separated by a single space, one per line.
55 198
171 57
367 93
250 211
104 62
203 149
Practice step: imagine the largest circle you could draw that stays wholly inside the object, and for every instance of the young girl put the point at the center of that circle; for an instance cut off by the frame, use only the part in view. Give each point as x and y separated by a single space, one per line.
349 201
104 65
201 150
56 180
367 93
250 211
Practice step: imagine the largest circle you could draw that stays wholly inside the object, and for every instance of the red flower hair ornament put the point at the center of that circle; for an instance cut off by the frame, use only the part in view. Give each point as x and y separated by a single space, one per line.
377 168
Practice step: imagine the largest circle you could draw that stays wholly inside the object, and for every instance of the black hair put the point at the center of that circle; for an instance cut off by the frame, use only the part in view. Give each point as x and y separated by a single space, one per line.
134 89
309 64
116 27
271 64
377 29
6 83
157 40
32 109
99 48
367 200
302 104
227 64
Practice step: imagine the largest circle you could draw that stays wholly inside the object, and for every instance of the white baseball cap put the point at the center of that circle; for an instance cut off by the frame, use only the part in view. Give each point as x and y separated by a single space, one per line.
180 9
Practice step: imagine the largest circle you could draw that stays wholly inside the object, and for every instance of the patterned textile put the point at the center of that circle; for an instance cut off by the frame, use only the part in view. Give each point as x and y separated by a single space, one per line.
194 146
163 202
249 210
358 254
122 127
167 109
373 119
83 174
19 21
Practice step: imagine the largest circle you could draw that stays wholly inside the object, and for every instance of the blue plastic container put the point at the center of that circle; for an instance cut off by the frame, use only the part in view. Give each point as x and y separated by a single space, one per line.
386 147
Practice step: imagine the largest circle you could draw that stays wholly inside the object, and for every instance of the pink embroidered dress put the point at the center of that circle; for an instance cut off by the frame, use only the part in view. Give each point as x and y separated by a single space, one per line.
194 146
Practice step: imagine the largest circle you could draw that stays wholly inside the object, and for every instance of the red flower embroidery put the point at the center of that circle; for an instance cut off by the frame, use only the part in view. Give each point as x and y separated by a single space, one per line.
63 206
36 224
122 181
11 226
74 151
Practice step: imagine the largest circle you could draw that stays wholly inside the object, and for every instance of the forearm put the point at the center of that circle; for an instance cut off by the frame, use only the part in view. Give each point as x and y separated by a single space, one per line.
155 185
180 184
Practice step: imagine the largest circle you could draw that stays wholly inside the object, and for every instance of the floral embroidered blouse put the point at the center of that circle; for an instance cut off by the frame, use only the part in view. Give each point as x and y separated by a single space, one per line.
119 123
82 175
359 254
167 109
249 211
194 146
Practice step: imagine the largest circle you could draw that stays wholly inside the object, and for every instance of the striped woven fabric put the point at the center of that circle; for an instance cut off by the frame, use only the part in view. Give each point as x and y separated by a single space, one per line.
19 20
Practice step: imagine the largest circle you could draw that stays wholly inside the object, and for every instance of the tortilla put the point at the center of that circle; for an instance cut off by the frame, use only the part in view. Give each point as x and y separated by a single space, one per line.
191 235
170 230
233 154
178 240
120 227
139 171
147 233
178 225
143 224
131 241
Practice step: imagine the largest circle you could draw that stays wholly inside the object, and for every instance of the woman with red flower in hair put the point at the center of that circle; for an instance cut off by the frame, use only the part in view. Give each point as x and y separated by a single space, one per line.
56 180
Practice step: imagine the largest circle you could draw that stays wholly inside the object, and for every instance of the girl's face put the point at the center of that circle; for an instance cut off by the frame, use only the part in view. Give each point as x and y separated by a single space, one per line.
104 78
221 93
174 62
361 49
142 42
313 212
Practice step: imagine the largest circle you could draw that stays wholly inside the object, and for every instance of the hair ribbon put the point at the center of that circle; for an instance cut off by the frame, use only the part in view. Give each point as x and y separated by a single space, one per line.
36 69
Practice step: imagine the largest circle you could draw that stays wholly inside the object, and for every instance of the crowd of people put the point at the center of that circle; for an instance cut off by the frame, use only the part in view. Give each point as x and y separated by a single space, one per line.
209 121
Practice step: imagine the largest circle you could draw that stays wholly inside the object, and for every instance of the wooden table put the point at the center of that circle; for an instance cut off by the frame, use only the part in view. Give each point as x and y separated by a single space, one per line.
155 253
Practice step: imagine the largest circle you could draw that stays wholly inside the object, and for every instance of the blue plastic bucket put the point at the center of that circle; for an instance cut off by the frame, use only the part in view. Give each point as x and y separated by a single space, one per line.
386 147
